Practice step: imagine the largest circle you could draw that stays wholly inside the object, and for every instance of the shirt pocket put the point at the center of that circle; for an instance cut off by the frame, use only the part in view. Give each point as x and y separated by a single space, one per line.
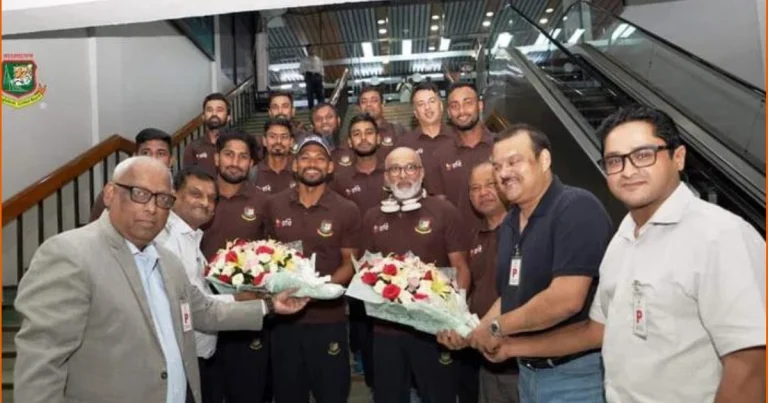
659 296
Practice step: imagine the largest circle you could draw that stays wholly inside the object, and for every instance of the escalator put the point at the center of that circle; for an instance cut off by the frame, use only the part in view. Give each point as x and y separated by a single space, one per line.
582 71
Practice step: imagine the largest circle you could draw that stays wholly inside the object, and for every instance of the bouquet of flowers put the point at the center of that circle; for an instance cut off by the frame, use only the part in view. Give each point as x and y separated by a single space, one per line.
405 290
268 266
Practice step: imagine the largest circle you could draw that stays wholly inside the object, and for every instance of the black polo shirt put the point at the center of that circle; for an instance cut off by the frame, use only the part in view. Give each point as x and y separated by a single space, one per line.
566 235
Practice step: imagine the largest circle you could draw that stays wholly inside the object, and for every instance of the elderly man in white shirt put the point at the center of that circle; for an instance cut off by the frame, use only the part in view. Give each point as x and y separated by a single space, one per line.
680 309
196 195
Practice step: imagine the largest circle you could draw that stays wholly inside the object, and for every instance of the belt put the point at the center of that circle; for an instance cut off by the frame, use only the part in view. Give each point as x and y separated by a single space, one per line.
543 363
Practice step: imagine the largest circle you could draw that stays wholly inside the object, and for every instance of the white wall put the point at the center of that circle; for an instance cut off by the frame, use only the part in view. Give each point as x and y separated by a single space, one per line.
149 75
727 33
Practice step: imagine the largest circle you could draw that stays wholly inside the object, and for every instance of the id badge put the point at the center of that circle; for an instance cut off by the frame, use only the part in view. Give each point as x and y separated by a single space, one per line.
640 313
186 317
515 265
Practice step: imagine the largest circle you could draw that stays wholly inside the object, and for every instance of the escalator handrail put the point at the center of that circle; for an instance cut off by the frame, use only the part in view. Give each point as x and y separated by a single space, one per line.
672 46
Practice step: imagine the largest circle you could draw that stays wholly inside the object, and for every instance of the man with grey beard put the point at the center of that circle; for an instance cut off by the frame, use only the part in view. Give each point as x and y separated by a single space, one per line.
430 228
215 117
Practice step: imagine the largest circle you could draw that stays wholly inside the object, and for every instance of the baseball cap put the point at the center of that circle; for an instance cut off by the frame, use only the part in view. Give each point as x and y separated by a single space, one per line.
313 139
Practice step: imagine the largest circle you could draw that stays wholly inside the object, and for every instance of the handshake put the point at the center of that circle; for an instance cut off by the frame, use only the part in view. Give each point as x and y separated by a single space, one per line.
282 303
494 348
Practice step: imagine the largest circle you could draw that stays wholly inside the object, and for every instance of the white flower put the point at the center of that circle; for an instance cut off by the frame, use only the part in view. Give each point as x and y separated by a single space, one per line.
405 297
379 287
264 258
400 281
238 279
228 270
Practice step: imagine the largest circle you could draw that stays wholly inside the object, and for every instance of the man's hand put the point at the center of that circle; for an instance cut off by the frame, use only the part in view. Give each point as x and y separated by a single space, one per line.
286 304
451 340
503 353
482 340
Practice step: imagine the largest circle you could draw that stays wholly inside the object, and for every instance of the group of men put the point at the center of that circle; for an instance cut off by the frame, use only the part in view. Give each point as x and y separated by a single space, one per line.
571 312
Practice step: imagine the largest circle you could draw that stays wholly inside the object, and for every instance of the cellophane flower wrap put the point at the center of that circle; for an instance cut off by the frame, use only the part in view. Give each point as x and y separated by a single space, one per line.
268 266
407 291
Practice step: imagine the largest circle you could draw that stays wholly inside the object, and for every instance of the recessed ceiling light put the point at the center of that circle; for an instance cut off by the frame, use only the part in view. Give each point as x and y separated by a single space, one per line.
431 48
486 23
385 61
435 17
543 21
382 31
565 18
510 22
489 14
549 10
381 22
434 28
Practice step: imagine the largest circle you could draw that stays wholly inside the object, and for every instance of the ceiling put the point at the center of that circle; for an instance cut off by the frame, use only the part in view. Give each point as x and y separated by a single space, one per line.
340 30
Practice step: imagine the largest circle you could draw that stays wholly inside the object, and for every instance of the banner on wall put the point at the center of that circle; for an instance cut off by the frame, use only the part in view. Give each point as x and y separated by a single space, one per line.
21 85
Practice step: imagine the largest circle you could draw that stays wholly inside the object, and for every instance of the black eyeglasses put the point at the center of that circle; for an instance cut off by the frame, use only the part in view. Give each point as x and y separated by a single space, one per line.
641 157
409 169
143 196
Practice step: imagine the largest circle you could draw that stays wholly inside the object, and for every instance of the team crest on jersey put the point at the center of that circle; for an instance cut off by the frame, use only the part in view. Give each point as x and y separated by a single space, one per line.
445 358
424 226
387 141
326 229
249 213
345 161
476 250
333 348
283 223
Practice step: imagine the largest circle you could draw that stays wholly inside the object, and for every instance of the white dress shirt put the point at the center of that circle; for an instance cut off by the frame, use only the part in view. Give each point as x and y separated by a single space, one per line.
311 64
688 290
182 240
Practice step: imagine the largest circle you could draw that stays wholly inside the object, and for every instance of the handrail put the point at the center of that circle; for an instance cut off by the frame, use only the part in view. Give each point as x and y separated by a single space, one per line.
49 184
671 45
339 87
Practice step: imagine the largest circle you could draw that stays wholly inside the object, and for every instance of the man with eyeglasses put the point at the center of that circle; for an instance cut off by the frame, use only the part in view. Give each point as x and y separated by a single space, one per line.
431 228
273 174
238 215
680 309
106 300
550 247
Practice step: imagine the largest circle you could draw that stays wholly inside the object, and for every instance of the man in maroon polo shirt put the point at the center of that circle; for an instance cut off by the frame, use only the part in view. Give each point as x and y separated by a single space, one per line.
432 229
431 133
273 174
151 142
449 174
482 380
238 215
371 101
310 350
281 106
215 117
363 184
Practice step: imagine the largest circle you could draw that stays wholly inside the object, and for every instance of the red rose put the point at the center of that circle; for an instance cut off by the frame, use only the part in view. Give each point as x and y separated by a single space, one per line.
390 292
225 279
419 296
231 257
399 257
264 249
389 269
258 279
369 278
428 276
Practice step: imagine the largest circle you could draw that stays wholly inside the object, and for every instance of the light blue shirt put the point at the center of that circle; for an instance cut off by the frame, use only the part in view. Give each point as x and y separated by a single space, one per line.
159 306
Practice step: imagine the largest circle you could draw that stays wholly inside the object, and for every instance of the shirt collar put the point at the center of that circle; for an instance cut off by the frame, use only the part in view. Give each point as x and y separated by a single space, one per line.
670 212
149 252
325 199
487 139
177 223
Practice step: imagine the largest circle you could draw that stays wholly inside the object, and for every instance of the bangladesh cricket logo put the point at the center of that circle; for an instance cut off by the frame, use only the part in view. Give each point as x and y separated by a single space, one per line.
21 87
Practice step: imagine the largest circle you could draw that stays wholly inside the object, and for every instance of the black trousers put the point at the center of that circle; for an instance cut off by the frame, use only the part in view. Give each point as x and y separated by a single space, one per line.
211 379
469 362
310 358
314 87
399 358
361 336
244 359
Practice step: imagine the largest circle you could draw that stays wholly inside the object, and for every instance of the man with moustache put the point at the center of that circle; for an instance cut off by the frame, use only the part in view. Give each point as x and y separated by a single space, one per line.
482 380
196 195
550 246
431 133
273 174
362 183
281 106
108 314
371 101
326 124
238 215
310 351
431 228
680 309
452 162
150 142
215 117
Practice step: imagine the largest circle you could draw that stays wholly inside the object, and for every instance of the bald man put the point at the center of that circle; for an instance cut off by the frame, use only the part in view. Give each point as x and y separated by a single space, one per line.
104 300
431 228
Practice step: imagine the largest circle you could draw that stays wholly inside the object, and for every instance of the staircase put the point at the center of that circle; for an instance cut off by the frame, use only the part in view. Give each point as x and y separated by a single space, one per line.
11 323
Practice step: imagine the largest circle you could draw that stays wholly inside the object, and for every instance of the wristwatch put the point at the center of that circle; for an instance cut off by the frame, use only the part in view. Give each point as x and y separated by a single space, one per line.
269 305
496 328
